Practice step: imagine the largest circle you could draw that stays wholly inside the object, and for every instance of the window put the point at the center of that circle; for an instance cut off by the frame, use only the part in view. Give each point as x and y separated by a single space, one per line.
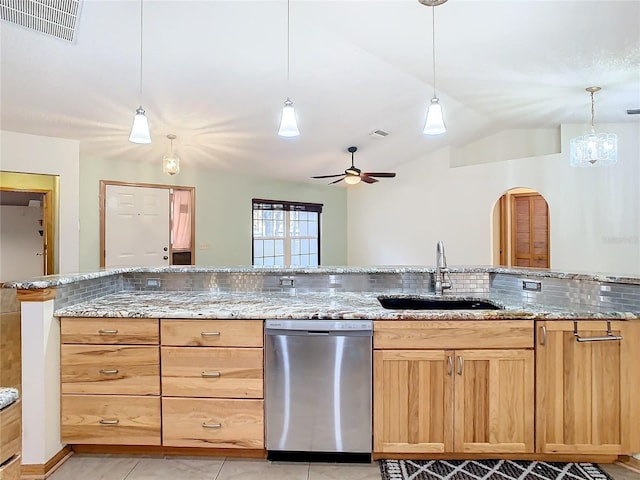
286 234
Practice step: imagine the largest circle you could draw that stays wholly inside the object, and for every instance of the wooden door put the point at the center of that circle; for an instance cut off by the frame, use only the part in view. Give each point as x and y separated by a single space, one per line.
412 401
494 401
530 231
585 391
136 226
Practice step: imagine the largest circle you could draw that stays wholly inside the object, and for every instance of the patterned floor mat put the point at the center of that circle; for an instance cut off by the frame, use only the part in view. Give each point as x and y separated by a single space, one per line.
488 470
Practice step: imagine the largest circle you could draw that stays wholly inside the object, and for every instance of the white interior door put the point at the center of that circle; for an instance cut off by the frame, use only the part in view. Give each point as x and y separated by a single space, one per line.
136 226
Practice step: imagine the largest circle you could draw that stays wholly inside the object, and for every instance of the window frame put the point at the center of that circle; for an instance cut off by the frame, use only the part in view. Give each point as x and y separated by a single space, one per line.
286 206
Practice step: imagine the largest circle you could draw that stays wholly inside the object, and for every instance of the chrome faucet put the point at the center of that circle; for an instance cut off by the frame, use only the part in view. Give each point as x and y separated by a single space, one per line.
443 279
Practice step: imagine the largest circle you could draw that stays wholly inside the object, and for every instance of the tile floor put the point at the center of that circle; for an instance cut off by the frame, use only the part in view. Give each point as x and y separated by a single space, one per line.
114 467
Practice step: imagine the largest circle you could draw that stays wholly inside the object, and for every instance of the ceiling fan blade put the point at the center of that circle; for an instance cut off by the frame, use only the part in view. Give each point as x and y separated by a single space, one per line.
328 176
367 179
380 174
339 180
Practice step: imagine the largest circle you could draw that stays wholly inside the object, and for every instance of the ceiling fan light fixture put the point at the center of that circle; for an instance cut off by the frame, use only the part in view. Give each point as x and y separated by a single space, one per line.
171 162
434 125
352 179
140 128
593 149
288 123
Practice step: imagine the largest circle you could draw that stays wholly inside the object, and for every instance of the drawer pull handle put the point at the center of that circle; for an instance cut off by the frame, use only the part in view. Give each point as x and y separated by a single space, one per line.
460 364
109 422
609 337
109 372
211 425
107 332
210 374
210 334
449 365
543 335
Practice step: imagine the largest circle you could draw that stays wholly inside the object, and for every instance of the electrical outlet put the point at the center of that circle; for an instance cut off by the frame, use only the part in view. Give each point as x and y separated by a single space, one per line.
287 282
205 246
153 282
532 285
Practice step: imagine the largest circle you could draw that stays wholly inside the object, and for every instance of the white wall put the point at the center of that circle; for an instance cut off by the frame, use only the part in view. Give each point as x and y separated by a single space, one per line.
20 242
50 156
223 209
594 213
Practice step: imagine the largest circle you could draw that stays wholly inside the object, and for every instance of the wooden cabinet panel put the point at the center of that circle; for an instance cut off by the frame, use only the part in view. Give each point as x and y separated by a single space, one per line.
413 398
585 389
137 331
10 431
11 470
110 419
110 369
494 401
218 423
212 372
212 333
453 334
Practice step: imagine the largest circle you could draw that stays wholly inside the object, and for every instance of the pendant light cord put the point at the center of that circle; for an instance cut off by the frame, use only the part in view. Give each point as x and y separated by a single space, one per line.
433 45
288 54
141 14
593 114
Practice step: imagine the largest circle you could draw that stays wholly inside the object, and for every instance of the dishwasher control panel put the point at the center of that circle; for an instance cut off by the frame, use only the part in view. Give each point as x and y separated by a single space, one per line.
320 325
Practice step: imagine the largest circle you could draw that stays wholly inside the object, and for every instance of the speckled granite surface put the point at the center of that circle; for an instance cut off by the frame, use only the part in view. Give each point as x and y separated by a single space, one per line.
344 305
56 280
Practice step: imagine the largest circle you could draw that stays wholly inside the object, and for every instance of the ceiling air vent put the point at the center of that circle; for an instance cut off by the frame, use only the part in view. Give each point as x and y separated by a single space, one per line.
378 134
633 111
51 17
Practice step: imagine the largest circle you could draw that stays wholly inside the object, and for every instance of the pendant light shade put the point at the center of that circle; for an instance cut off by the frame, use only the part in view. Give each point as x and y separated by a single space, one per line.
140 128
435 121
593 149
434 124
288 124
171 162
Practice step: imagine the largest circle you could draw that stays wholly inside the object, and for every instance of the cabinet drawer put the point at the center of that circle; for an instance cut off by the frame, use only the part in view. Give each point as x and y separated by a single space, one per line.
212 333
453 334
139 331
10 431
106 419
212 372
11 470
110 369
216 423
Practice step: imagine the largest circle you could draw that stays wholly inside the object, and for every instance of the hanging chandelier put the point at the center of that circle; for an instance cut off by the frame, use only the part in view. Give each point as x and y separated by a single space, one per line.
593 149
434 124
171 162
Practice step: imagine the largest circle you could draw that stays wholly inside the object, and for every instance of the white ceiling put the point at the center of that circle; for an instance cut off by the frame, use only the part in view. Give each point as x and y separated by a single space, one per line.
215 74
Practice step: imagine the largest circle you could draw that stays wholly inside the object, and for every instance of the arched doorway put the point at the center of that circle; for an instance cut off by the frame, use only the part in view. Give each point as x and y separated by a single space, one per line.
521 229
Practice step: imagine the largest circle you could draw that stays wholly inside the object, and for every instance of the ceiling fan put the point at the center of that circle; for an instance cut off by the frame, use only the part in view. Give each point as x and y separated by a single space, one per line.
353 175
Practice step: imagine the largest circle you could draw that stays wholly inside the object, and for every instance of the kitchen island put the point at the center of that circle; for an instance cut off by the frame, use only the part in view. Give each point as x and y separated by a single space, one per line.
535 302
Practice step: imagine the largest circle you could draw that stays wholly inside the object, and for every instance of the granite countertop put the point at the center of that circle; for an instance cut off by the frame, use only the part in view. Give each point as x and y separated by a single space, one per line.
341 305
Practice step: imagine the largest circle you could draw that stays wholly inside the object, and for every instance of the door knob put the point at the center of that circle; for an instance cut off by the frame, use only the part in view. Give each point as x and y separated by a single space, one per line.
165 249
165 257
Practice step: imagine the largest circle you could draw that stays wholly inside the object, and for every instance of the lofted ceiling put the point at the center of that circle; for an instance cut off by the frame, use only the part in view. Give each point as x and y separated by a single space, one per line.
214 73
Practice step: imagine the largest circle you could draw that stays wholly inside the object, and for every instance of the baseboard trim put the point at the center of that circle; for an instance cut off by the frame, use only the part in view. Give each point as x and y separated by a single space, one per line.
42 471
161 451
564 457
629 462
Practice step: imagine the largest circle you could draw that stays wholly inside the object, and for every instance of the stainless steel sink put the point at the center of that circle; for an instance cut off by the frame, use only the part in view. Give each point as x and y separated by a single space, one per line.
436 303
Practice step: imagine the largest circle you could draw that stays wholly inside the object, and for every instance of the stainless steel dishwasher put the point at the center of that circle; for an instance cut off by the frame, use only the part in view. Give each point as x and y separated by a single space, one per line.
318 390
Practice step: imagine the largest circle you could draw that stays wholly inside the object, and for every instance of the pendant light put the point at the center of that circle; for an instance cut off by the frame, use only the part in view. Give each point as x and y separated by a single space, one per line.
288 124
593 149
140 129
434 124
171 162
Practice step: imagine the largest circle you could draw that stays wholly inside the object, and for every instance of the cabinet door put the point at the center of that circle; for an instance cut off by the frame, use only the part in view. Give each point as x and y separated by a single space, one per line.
584 389
494 401
412 401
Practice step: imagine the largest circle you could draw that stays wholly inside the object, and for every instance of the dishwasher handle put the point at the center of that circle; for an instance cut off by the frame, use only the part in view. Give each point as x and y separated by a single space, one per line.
317 333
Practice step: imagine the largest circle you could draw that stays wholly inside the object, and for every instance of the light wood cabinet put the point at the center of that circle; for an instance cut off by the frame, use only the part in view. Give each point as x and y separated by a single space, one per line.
443 397
10 431
586 390
11 469
212 383
110 381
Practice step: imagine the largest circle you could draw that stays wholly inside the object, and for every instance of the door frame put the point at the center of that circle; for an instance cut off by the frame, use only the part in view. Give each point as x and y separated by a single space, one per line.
171 188
48 186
